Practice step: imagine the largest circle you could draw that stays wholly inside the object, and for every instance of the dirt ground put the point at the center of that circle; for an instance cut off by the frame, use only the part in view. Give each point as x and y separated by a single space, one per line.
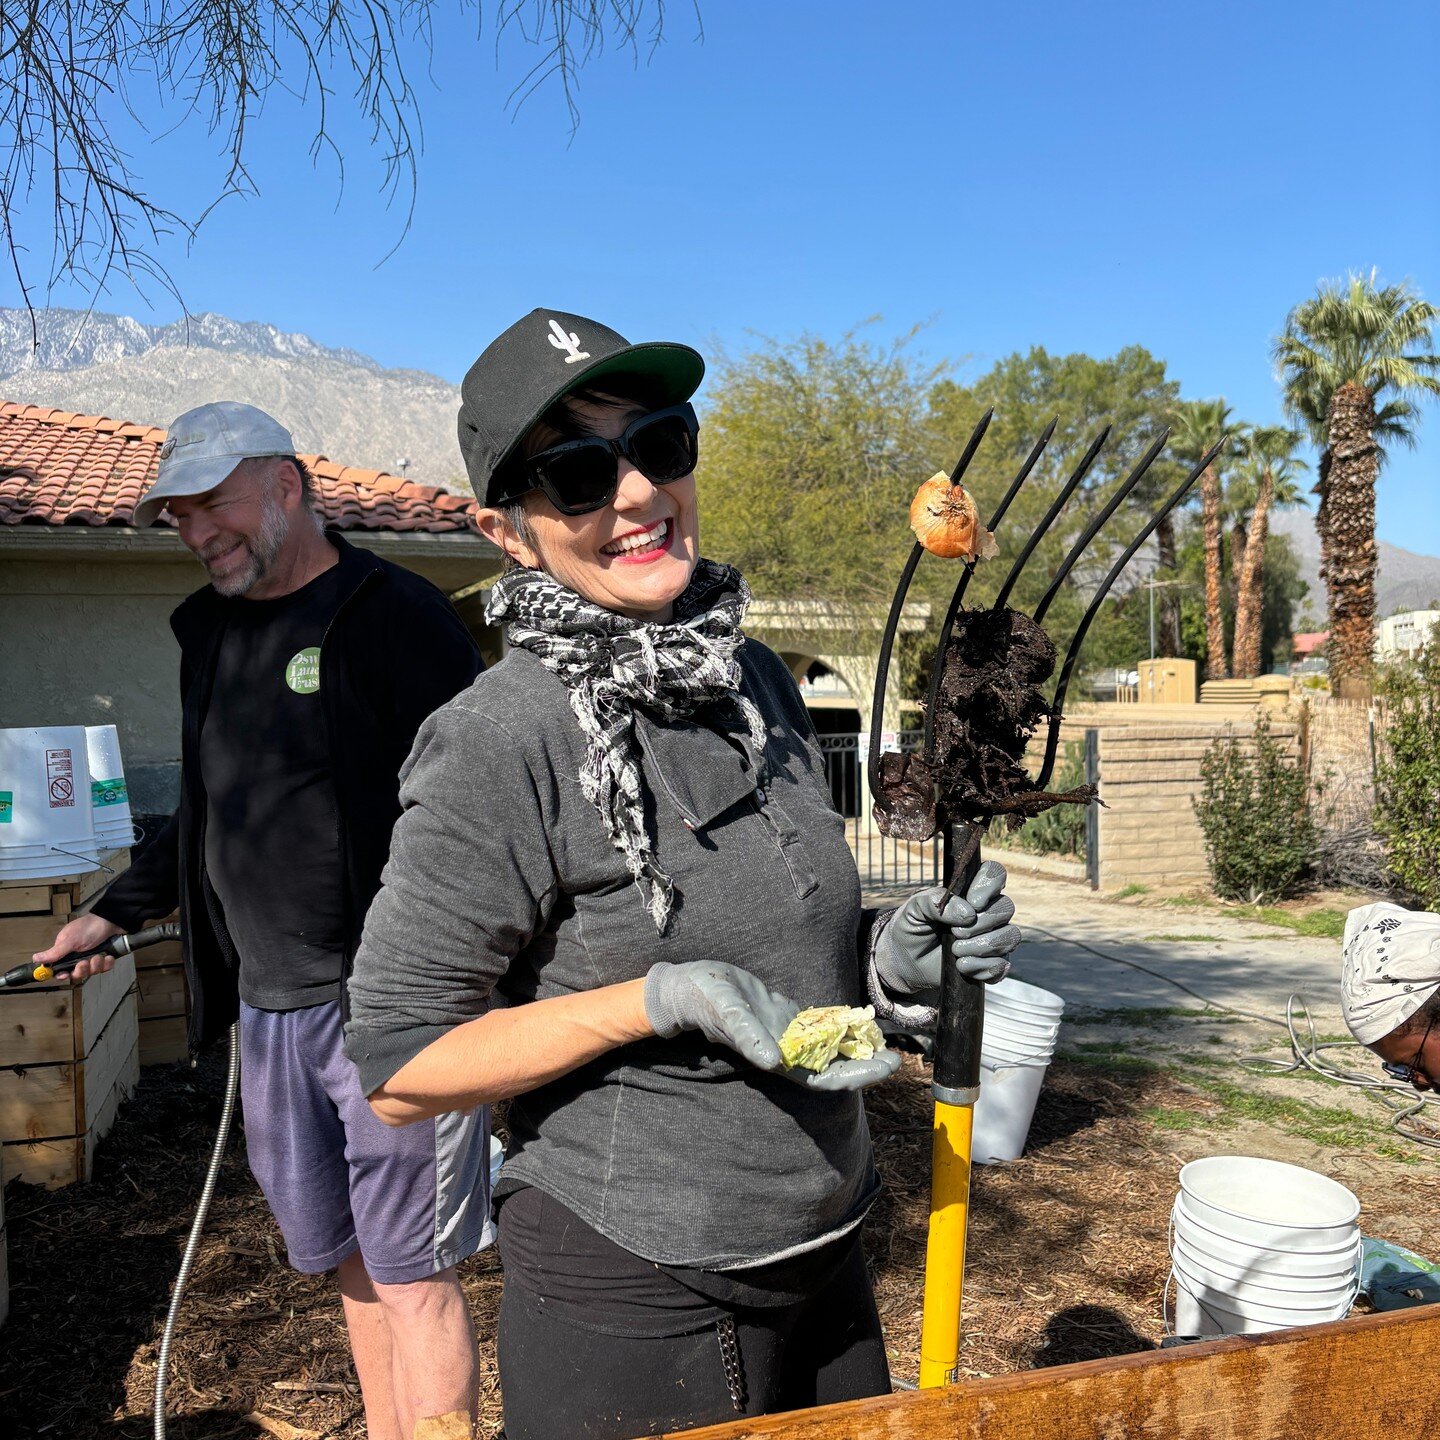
1067 1249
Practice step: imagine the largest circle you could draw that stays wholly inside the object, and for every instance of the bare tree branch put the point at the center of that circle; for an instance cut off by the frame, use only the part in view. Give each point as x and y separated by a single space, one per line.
67 68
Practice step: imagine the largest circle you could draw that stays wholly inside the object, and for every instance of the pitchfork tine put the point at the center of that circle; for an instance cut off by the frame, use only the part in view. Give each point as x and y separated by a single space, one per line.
897 605
1057 705
933 693
1096 525
971 446
1039 533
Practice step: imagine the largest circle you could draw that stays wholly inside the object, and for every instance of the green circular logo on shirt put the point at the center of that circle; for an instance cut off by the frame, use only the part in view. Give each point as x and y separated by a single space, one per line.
302 674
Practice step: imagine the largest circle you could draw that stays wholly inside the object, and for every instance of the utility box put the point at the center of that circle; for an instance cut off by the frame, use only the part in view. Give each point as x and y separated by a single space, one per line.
1167 682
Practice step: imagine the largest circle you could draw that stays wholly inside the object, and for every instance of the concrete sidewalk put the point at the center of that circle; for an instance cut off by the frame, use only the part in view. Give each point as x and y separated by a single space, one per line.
1108 955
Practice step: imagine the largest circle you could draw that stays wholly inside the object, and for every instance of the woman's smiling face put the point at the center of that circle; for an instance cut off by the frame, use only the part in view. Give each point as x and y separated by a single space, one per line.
634 556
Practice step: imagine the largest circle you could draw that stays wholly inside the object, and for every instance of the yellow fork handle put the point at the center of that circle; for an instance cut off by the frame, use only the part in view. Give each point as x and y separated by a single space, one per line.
945 1248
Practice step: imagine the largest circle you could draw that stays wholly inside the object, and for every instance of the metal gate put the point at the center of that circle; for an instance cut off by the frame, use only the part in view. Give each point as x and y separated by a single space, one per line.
881 860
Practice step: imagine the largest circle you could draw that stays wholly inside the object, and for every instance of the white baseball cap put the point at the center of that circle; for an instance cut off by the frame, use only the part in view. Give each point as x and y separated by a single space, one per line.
203 448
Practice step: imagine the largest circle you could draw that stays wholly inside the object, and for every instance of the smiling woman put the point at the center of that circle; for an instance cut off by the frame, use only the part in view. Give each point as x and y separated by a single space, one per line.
624 831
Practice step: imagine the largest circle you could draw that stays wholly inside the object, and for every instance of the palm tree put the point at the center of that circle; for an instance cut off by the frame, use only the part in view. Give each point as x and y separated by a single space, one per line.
1197 425
1266 476
1339 353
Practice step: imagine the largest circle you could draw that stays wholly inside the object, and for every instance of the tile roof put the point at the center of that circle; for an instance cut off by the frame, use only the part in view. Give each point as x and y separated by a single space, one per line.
58 468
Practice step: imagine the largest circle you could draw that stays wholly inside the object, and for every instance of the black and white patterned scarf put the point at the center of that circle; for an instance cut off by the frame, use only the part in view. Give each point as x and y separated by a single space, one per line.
612 665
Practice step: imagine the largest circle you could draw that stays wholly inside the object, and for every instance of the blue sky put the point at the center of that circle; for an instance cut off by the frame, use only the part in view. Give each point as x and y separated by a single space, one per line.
1077 176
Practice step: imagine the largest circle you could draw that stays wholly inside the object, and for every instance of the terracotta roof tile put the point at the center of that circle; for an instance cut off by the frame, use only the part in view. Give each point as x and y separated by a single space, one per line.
59 468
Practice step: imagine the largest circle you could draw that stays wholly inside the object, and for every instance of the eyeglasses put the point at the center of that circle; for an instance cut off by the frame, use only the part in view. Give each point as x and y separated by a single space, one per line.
1408 1072
583 475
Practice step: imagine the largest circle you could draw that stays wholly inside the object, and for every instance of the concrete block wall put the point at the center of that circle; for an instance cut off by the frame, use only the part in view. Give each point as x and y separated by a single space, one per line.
1149 777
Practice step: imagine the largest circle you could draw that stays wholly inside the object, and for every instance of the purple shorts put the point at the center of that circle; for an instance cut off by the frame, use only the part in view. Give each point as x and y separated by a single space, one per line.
412 1199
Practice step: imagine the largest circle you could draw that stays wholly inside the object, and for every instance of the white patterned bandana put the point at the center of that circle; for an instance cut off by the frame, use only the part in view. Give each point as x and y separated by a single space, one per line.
1391 967
611 665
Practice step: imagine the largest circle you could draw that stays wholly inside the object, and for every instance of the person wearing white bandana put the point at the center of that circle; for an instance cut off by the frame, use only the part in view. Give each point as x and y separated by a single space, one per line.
618 876
1390 989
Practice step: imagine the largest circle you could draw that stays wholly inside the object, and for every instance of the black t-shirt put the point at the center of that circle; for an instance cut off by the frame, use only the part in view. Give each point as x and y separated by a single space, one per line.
272 839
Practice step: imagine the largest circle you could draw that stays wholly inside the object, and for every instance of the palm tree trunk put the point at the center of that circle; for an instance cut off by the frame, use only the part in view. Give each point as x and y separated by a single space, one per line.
1169 637
1350 525
1250 591
1215 667
1238 542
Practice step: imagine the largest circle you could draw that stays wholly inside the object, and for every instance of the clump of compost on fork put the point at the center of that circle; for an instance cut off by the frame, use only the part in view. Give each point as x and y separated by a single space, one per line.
989 701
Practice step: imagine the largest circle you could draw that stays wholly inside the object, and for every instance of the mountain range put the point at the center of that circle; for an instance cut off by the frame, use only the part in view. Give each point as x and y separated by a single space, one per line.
343 404
335 402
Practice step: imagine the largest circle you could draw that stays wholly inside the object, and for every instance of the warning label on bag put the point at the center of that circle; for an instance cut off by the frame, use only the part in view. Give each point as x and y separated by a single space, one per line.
7 806
60 775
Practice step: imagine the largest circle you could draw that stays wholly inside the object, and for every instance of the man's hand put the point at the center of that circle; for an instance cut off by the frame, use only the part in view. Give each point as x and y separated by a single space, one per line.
731 1007
908 954
84 933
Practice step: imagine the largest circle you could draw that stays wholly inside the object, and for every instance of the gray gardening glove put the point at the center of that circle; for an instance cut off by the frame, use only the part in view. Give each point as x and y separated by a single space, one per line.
909 951
731 1007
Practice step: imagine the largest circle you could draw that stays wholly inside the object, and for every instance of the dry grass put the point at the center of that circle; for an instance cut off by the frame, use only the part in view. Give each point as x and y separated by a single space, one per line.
1067 1260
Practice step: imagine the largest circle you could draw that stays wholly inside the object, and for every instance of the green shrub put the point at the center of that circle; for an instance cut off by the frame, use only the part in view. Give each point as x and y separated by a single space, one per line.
1060 831
1255 815
1407 775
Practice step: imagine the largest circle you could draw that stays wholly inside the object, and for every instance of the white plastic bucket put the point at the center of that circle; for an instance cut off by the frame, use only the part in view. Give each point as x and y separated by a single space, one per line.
45 789
1236 1308
1009 1091
1022 1023
1268 1203
1225 1250
109 797
1221 1274
1025 1001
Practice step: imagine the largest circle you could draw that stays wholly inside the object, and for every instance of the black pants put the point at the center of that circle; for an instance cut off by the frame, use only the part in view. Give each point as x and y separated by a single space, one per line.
600 1371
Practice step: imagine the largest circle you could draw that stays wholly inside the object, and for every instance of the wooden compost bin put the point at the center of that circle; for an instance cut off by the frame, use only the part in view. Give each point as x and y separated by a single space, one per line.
1370 1378
164 1003
69 1055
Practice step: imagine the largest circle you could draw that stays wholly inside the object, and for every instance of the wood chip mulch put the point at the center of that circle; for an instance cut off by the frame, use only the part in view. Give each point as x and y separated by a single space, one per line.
1067 1261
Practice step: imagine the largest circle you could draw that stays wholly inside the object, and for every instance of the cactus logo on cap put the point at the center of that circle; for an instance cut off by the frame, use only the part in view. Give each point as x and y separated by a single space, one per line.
569 342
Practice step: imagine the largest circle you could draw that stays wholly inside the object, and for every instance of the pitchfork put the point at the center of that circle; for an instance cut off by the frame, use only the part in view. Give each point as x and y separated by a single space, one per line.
960 1029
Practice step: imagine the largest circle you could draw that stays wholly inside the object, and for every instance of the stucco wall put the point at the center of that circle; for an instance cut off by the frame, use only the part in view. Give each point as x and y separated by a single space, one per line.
88 642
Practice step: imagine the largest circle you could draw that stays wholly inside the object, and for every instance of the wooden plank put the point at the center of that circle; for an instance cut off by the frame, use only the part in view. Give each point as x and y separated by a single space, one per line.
22 935
49 1024
159 957
1370 1378
37 1026
42 1102
50 1163
26 898
87 887
164 1040
121 1087
162 992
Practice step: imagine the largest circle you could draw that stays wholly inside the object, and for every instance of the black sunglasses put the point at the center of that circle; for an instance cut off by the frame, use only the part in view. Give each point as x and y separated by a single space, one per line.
583 475
1408 1072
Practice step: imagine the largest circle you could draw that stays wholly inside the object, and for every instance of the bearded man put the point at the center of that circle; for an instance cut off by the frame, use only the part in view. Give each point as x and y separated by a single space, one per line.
306 668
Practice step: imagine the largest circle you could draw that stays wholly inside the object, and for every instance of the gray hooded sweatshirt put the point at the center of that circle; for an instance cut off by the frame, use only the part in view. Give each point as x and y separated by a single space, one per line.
502 882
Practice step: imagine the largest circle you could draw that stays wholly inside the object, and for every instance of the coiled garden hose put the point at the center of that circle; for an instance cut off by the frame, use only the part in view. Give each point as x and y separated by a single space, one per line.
197 1226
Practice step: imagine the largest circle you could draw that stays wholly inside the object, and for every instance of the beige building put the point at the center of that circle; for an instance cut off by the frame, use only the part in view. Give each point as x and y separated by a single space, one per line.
85 597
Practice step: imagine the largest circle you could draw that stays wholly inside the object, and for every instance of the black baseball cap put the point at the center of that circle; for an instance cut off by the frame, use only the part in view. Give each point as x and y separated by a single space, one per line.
527 368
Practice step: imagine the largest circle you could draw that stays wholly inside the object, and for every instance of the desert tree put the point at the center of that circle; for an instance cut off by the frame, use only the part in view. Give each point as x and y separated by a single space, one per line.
80 78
